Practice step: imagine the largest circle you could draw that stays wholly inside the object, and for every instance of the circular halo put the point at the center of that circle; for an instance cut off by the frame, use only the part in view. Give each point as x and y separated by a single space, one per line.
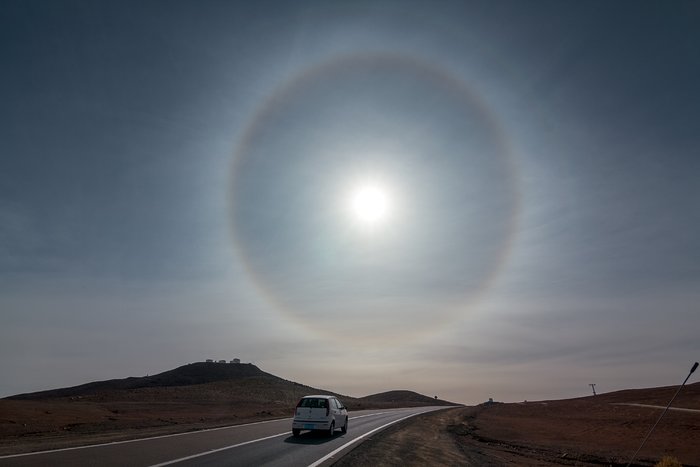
294 302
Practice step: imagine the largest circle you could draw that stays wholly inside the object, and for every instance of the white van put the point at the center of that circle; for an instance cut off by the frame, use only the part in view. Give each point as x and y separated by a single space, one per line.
320 413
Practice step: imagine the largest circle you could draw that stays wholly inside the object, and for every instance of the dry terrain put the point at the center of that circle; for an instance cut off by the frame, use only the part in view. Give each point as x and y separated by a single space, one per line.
191 397
585 432
597 430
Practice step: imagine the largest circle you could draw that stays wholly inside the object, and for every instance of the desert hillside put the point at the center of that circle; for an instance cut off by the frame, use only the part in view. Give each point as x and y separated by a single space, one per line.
218 382
589 431
604 429
186 375
405 398
689 397
193 396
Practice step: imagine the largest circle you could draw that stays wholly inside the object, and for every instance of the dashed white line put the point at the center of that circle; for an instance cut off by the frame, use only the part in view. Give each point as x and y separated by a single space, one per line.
206 453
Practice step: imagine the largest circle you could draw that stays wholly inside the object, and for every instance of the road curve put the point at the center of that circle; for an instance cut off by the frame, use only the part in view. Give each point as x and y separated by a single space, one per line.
267 443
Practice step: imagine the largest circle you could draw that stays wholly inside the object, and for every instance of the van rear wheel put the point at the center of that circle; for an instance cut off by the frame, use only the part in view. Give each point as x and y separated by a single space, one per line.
295 432
331 430
345 427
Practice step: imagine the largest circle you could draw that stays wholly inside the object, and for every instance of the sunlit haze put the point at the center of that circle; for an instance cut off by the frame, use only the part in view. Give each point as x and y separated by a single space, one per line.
463 199
370 205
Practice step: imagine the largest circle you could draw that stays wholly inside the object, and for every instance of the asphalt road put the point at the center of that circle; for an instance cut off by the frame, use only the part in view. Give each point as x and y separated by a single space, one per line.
264 443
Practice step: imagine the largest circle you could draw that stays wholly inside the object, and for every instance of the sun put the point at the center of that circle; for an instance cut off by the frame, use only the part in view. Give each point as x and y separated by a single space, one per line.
370 205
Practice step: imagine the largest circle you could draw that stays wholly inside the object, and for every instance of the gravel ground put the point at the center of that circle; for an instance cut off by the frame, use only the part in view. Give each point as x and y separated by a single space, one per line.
418 441
583 432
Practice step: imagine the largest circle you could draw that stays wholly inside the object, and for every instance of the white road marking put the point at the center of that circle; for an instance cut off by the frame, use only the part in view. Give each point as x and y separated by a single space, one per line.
206 453
333 453
368 415
186 433
141 439
194 456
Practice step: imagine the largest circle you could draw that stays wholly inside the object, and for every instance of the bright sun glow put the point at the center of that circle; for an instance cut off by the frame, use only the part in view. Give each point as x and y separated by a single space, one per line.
370 205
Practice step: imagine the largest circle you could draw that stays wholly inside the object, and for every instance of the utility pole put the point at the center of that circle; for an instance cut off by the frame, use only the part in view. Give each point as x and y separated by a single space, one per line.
592 385
695 367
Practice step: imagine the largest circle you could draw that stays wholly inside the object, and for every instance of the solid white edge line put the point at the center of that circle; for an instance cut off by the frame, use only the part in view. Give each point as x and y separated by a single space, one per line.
206 453
141 439
333 453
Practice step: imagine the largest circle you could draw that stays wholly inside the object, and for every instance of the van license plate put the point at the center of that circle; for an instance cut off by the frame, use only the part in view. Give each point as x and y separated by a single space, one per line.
309 426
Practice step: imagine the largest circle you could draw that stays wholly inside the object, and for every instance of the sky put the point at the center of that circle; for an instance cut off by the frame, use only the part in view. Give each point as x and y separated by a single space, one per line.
466 199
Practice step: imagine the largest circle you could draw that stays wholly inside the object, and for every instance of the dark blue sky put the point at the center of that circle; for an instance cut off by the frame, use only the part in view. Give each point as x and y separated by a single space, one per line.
173 181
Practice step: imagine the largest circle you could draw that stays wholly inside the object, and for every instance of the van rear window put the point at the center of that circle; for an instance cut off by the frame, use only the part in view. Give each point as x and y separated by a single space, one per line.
313 403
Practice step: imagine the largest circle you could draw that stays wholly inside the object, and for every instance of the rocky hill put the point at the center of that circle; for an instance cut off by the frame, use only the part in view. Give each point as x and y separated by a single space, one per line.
405 398
220 381
186 375
194 396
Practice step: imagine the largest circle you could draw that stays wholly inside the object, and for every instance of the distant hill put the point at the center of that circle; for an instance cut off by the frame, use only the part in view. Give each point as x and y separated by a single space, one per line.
205 395
191 397
186 375
224 382
689 397
406 398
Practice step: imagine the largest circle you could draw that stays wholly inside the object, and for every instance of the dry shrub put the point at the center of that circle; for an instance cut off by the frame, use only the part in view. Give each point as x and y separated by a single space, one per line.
669 461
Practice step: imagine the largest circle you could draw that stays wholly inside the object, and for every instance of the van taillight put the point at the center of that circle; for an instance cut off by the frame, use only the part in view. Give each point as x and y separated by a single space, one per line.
328 409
